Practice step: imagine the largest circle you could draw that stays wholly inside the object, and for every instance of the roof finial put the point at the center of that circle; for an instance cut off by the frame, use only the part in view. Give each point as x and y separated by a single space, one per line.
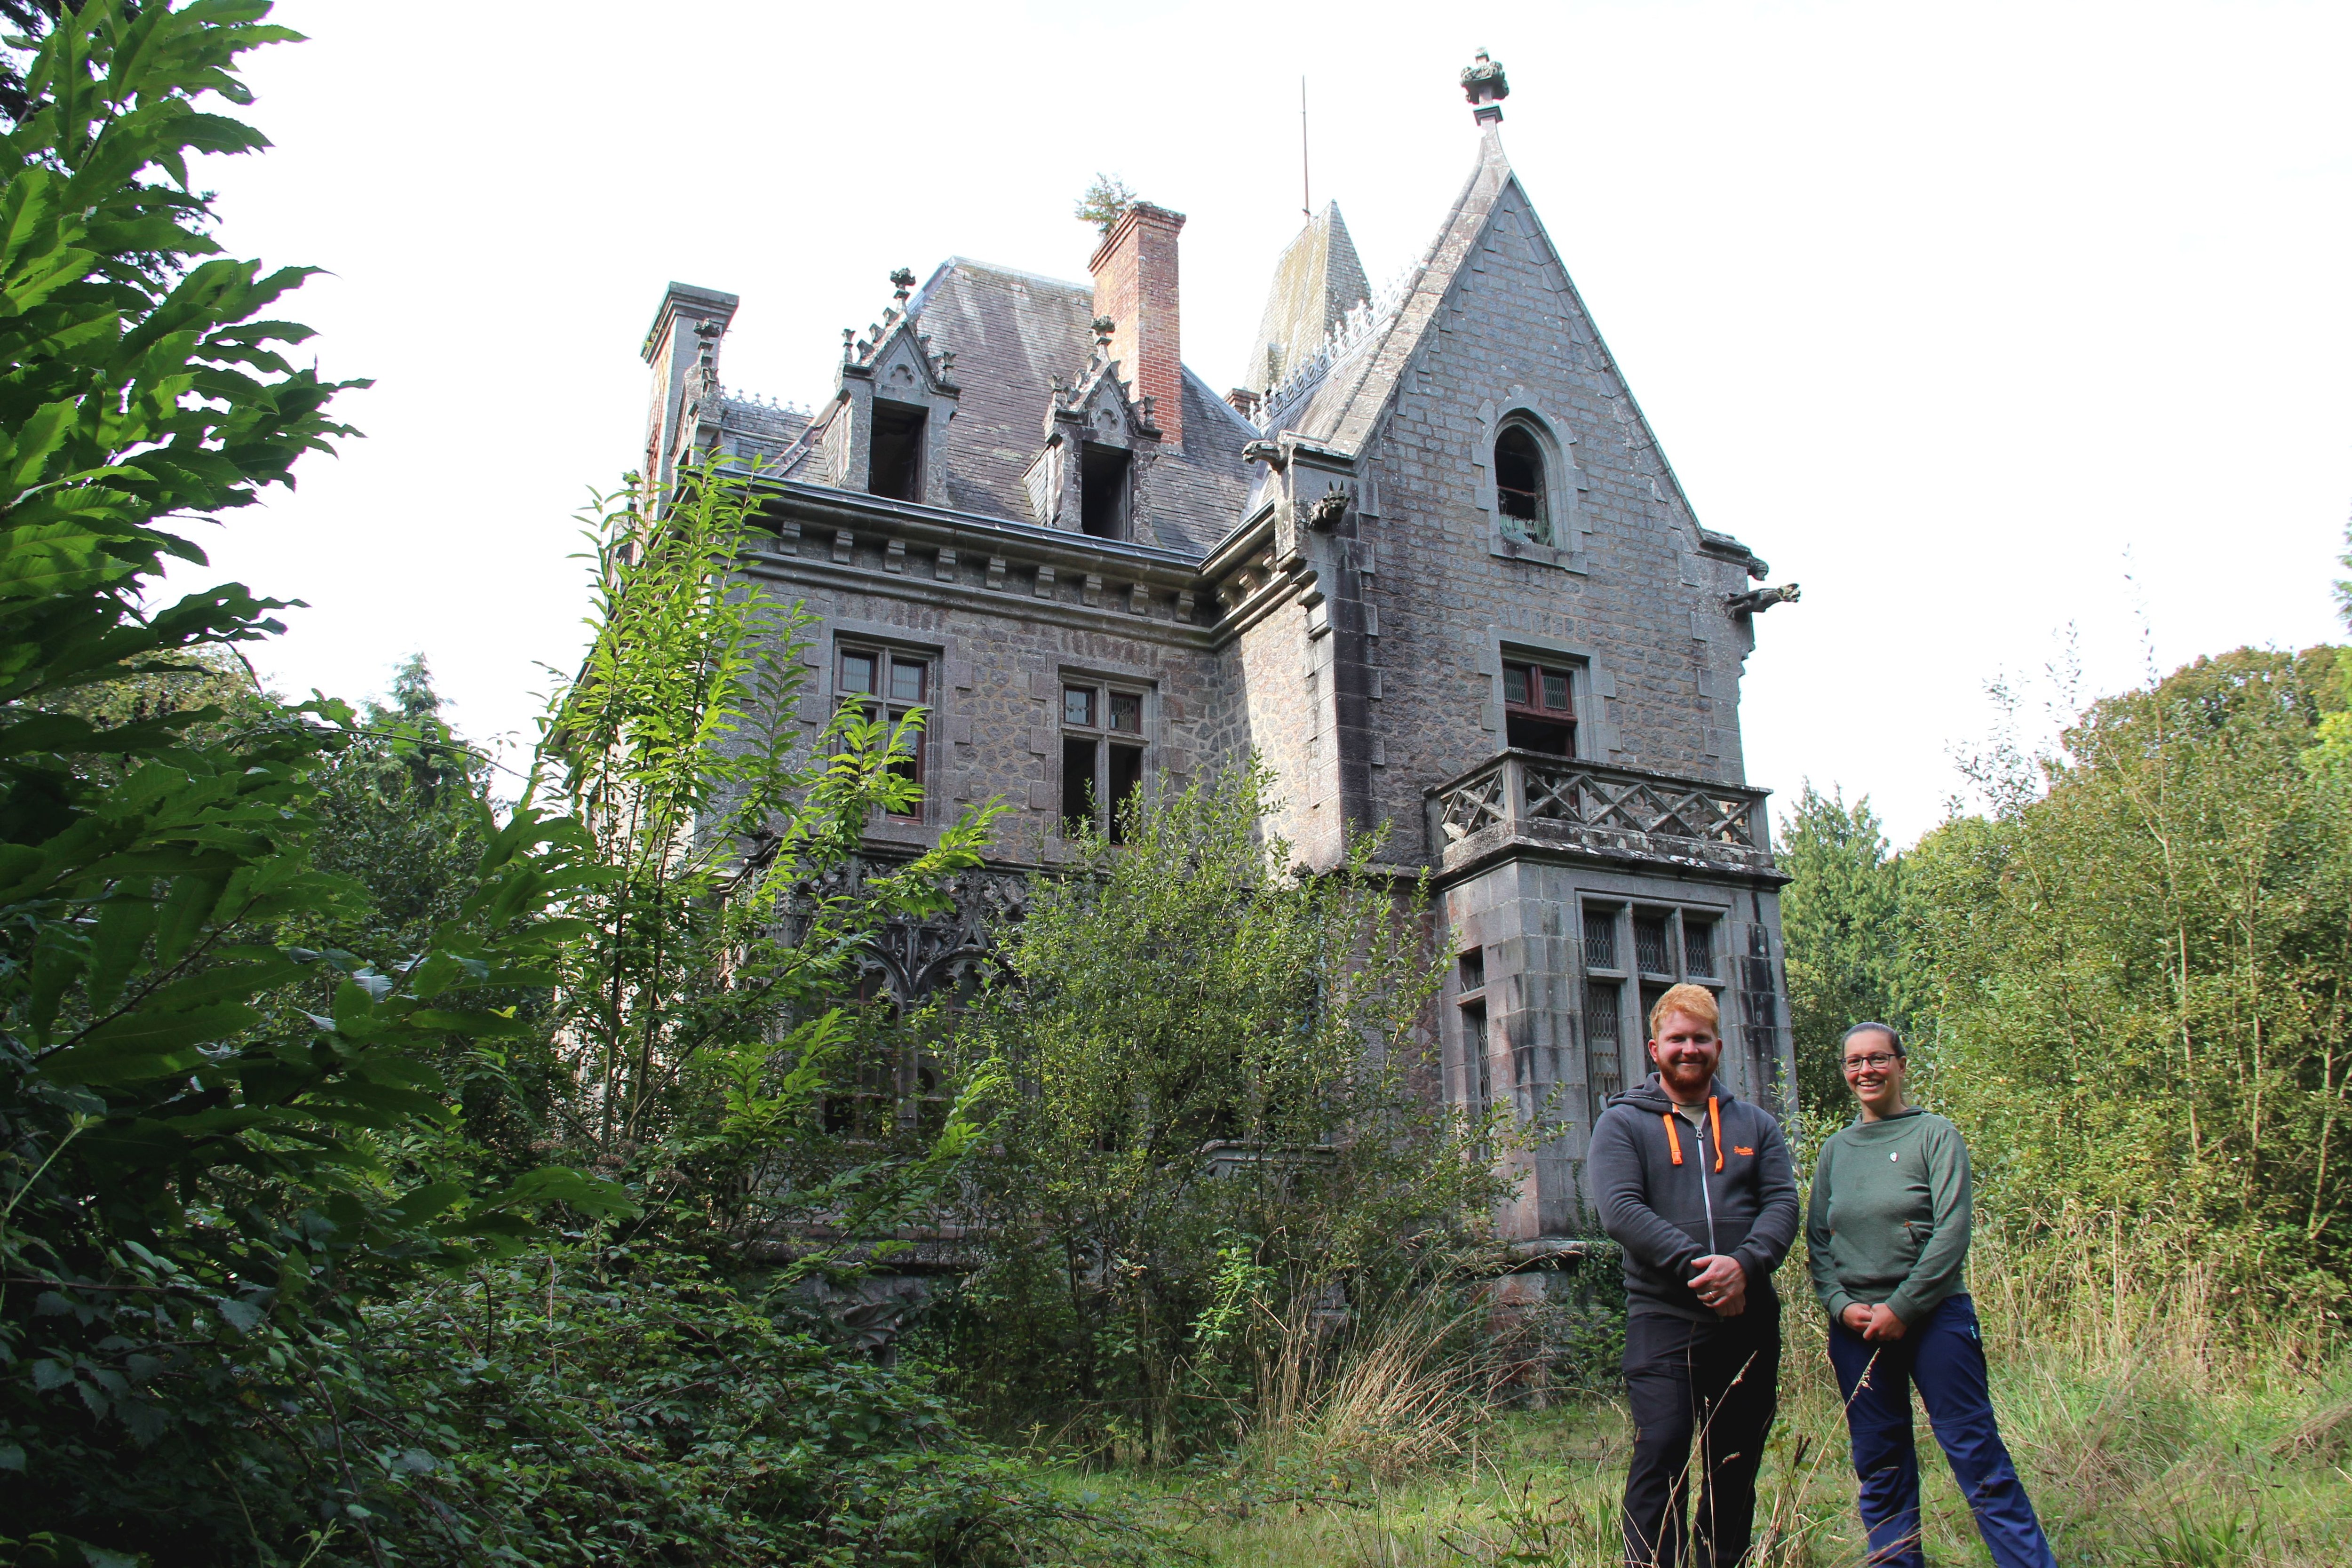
904 281
1484 86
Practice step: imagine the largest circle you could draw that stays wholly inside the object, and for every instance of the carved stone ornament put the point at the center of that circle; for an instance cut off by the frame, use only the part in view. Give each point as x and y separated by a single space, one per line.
1484 83
1758 600
1267 452
913 958
1328 509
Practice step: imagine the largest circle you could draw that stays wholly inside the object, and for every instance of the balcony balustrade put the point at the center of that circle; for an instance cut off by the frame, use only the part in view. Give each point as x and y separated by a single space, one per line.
1532 800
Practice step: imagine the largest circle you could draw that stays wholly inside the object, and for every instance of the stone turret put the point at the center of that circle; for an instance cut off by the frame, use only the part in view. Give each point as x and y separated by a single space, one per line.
1318 281
686 329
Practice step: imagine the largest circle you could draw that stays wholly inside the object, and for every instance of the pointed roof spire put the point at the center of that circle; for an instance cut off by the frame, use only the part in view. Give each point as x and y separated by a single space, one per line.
1318 281
1485 87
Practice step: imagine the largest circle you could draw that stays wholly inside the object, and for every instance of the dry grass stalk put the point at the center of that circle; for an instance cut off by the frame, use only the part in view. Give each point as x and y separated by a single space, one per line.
1396 1389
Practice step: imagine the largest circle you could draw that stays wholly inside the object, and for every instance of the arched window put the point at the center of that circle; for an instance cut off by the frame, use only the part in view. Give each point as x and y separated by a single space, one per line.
1519 484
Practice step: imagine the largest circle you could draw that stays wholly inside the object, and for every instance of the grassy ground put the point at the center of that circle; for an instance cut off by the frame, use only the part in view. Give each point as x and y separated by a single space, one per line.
2143 1442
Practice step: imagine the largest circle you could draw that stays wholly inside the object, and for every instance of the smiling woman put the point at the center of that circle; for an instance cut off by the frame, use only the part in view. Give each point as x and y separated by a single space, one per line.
1888 1241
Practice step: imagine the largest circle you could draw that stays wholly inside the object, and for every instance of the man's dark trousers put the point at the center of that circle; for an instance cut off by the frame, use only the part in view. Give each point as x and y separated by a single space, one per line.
1943 1354
1716 1383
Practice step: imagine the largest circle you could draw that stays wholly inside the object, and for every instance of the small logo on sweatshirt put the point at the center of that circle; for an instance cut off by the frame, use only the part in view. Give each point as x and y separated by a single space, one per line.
1894 1153
1739 1148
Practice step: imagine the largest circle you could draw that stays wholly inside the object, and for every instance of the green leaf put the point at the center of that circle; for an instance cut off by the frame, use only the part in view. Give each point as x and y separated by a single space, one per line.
421 1204
560 1184
480 1025
146 1043
56 558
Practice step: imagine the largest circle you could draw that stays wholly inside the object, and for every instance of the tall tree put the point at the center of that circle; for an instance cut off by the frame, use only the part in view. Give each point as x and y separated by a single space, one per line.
201 1120
2145 949
1842 918
710 989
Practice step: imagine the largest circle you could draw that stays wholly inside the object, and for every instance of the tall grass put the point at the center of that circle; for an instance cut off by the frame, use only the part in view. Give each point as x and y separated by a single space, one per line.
2159 1422
1398 1389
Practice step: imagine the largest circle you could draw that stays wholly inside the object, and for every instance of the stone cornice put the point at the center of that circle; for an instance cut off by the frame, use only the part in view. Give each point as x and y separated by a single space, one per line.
832 538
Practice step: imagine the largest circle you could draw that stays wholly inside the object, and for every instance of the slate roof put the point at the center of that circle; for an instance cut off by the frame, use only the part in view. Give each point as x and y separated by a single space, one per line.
1337 402
1013 332
753 426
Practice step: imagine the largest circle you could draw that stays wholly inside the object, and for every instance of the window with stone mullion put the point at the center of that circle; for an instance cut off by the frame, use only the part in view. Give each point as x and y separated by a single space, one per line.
900 683
1102 756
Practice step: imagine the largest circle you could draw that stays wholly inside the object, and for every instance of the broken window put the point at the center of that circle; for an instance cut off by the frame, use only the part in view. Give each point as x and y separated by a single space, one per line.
1102 757
1519 484
1653 942
896 469
1540 708
1103 475
899 683
1672 946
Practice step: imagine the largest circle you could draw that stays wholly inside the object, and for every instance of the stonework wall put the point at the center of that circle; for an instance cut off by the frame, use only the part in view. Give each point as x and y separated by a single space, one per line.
995 725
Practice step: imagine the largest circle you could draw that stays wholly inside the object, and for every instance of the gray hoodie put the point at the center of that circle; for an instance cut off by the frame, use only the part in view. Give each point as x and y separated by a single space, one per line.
1670 1193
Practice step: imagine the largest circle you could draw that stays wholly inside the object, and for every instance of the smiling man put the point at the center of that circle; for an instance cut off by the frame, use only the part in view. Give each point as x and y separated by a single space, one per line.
1695 1184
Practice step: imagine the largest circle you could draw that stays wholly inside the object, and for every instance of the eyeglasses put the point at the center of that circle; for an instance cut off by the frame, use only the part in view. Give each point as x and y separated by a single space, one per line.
1878 1061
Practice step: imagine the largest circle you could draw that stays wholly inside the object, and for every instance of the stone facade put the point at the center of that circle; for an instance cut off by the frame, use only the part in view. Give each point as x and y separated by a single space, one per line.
1346 571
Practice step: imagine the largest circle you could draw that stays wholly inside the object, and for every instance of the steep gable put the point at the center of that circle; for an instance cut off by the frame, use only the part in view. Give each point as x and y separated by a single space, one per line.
1340 401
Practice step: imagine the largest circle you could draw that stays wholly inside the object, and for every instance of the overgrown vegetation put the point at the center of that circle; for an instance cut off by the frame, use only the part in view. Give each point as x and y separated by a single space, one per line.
2151 928
309 1046
1842 918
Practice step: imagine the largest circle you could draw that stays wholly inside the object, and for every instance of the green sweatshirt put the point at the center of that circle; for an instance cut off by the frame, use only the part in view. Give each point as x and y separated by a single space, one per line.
1889 1216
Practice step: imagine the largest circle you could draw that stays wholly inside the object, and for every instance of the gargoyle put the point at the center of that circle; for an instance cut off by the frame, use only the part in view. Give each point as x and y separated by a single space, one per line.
1328 509
1267 452
1757 600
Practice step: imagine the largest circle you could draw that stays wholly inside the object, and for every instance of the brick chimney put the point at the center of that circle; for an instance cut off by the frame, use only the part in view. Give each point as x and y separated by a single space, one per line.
1135 286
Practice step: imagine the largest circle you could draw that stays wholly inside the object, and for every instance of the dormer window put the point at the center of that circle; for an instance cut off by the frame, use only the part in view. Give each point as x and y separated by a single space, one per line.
1519 484
1103 489
895 464
1540 708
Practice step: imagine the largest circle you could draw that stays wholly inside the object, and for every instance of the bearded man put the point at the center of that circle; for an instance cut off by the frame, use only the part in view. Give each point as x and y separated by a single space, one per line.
1694 1183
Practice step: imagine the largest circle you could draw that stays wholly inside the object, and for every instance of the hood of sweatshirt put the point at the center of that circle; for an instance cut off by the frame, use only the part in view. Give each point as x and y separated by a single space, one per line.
1650 1095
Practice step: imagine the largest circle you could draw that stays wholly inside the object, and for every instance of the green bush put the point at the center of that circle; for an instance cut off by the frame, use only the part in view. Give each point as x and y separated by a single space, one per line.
1222 1123
607 1405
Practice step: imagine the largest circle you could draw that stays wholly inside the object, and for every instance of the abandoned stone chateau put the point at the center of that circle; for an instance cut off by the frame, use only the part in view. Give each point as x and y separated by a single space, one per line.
1430 564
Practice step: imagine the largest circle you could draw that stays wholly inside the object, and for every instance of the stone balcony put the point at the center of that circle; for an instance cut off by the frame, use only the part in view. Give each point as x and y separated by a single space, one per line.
1529 800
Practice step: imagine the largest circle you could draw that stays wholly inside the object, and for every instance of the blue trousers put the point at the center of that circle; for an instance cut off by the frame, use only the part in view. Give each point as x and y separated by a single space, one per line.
1943 1356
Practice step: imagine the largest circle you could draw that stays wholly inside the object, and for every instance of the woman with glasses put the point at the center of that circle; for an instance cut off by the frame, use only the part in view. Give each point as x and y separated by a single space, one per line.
1887 1229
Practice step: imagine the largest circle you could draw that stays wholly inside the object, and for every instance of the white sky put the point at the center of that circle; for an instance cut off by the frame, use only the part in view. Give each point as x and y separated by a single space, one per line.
1982 321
